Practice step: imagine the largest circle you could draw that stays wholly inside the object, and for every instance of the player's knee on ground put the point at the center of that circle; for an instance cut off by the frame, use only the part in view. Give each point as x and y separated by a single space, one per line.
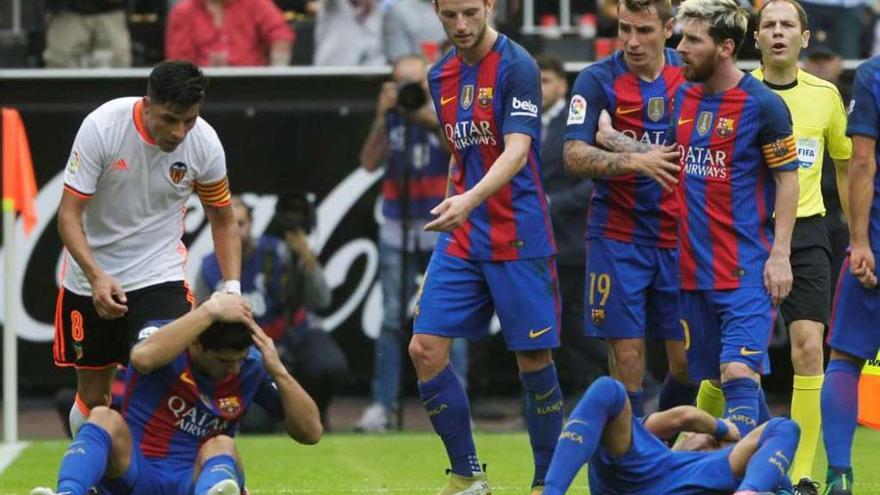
734 370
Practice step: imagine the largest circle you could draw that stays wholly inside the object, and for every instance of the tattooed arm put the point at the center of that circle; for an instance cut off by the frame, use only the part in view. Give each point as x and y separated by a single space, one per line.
660 164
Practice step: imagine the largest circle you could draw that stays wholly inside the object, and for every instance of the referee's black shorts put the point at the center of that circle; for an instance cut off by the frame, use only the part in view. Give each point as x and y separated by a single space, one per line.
810 297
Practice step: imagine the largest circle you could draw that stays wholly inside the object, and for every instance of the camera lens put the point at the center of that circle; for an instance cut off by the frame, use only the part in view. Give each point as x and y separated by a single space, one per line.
411 96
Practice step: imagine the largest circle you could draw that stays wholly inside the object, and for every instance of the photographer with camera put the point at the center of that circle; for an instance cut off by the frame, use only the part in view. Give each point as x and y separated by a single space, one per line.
283 281
404 138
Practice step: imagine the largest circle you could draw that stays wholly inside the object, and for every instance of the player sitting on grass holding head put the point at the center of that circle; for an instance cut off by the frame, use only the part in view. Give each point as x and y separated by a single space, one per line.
189 382
626 455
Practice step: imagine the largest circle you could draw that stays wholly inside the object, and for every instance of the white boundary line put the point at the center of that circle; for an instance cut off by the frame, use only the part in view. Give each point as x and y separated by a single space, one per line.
9 452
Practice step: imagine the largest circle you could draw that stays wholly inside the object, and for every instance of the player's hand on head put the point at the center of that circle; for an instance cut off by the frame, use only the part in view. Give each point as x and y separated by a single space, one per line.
660 164
451 213
777 277
266 346
108 297
227 307
862 266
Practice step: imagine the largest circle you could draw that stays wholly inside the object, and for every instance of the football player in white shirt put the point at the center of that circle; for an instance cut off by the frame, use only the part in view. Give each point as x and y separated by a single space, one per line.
134 164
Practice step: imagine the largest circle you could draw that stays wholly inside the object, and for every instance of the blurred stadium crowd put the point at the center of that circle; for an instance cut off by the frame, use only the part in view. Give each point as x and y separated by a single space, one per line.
141 33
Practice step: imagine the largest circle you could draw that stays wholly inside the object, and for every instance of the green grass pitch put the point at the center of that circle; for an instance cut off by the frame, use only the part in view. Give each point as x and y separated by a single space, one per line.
404 463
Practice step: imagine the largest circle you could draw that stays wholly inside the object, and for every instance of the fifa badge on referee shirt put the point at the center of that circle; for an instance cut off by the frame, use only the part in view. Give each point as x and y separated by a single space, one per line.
467 96
724 127
177 171
656 108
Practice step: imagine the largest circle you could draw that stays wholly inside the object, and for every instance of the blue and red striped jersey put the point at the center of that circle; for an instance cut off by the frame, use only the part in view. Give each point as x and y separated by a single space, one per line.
428 168
864 120
629 208
729 143
478 105
175 409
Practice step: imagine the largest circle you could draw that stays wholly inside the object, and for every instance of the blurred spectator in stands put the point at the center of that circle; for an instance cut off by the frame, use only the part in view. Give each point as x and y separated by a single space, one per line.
283 281
823 62
840 23
582 358
306 7
228 33
406 138
87 33
349 32
410 27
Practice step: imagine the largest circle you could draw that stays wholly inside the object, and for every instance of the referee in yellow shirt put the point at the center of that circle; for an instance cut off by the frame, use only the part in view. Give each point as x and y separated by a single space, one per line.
819 119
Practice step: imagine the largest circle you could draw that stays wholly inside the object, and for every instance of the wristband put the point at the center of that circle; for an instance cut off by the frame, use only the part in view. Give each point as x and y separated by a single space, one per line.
721 429
232 287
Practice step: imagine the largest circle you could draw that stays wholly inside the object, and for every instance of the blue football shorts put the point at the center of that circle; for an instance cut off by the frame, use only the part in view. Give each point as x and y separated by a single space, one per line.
458 297
631 291
723 326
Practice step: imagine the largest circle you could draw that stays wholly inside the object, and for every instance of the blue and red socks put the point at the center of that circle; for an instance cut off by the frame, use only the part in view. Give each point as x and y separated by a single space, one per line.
447 404
216 469
769 464
543 416
840 397
741 396
602 402
674 393
85 461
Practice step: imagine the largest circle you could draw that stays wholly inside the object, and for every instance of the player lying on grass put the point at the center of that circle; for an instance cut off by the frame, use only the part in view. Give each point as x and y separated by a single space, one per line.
188 384
627 456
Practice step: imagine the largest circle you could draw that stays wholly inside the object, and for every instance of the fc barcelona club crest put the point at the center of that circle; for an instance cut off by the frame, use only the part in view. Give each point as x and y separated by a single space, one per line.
177 172
229 405
484 96
704 123
467 96
656 108
724 127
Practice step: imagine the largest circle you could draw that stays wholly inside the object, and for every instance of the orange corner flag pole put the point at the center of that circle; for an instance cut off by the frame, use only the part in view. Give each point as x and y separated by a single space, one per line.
19 186
869 394
19 195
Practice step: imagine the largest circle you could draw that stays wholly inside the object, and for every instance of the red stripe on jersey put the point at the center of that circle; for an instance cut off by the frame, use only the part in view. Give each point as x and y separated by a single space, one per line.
542 197
128 392
450 79
684 130
725 259
502 223
228 401
622 191
422 188
58 344
670 203
160 428
762 207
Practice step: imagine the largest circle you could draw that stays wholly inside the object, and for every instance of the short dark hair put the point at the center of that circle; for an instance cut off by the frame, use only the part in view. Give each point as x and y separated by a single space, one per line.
177 82
662 7
551 63
802 14
222 336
